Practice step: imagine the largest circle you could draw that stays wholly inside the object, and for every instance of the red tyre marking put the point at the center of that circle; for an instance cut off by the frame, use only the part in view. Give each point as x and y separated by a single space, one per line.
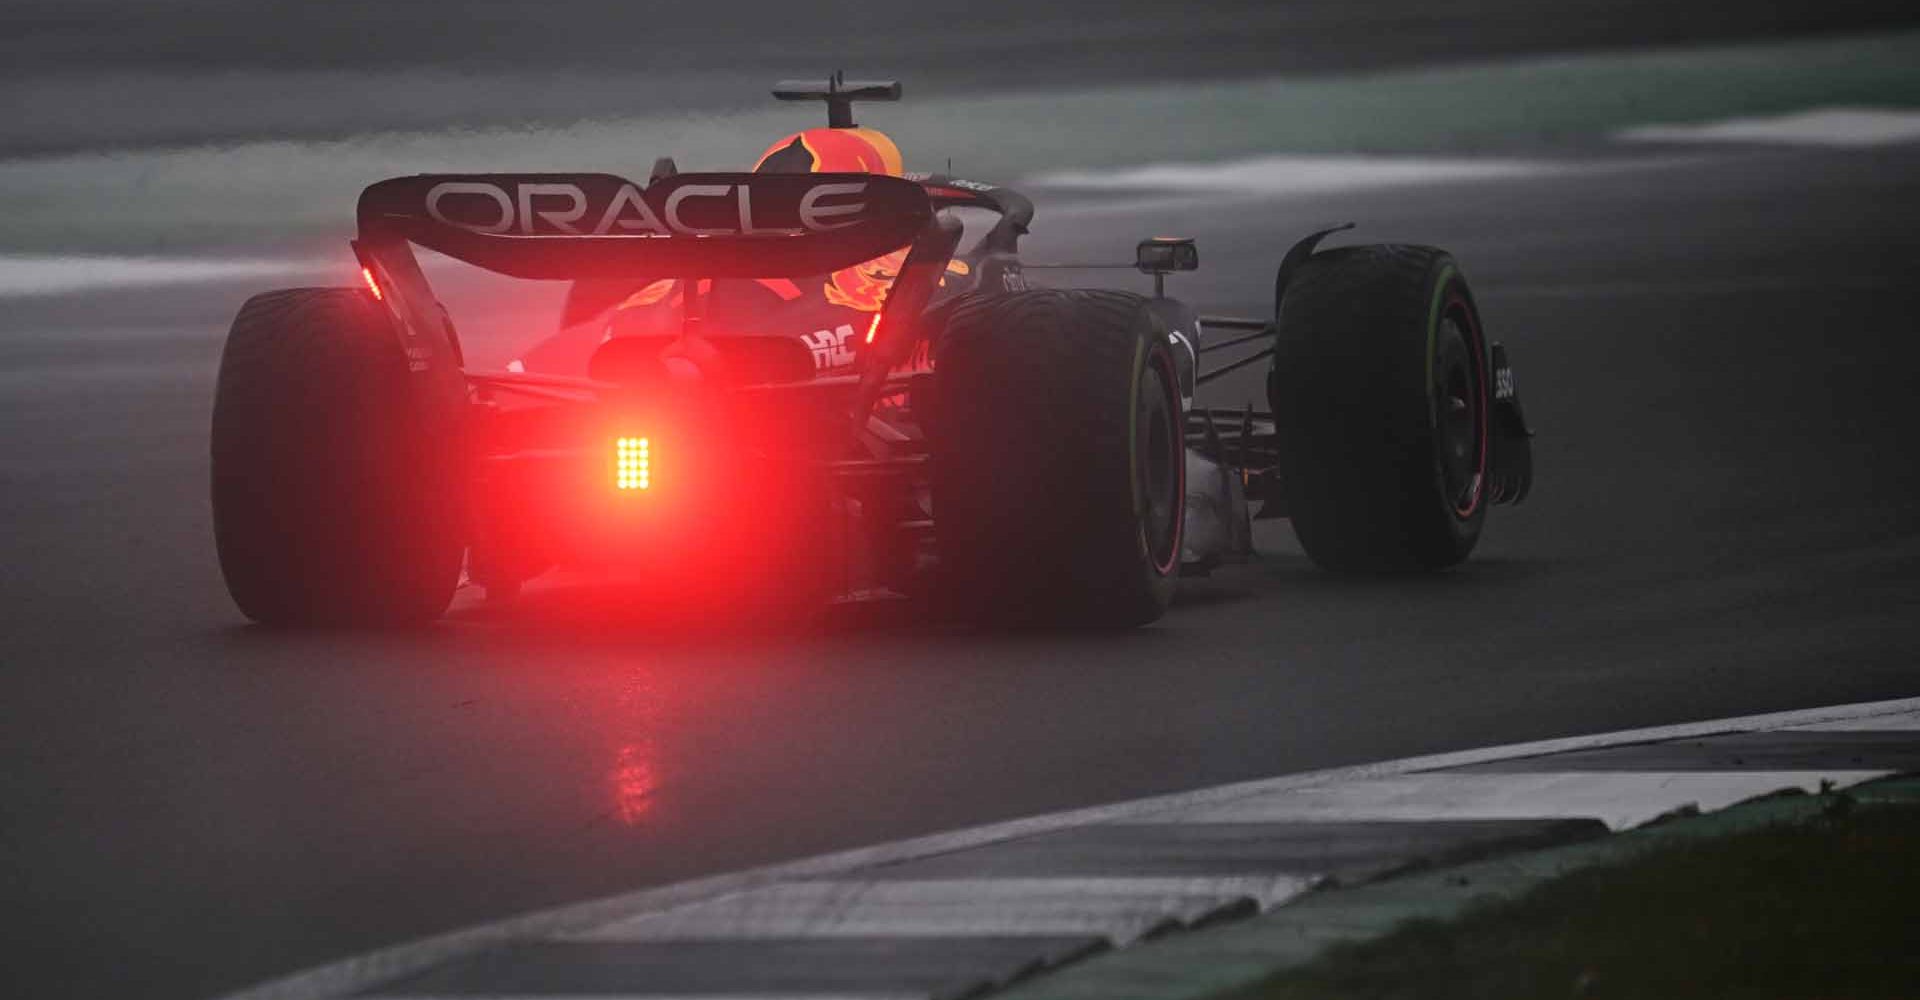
1462 310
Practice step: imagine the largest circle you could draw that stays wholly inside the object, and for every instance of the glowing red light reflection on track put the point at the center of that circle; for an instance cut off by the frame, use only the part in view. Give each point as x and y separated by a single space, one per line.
635 779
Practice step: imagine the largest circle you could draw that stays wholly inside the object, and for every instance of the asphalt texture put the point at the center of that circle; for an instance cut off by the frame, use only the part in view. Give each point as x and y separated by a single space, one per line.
1718 354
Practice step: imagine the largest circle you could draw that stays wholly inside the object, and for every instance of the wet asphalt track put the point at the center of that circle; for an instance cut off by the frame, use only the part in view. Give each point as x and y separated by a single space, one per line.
87 74
1719 356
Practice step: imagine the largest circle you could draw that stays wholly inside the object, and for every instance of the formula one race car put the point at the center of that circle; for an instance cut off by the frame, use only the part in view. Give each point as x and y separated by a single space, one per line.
797 385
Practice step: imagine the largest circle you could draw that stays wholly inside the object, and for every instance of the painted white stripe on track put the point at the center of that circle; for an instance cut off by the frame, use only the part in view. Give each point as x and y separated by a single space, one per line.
1618 798
788 995
61 274
1841 127
1905 722
1297 174
1122 909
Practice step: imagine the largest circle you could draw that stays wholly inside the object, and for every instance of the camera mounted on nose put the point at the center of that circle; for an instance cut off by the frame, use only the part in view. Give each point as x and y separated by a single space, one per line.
1163 255
839 93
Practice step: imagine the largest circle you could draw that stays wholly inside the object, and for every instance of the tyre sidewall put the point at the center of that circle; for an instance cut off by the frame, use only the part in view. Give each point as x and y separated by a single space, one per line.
1038 512
1355 397
338 467
1452 299
1157 574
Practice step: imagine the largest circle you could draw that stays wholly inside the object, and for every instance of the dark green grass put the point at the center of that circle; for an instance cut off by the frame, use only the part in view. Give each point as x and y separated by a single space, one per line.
1829 908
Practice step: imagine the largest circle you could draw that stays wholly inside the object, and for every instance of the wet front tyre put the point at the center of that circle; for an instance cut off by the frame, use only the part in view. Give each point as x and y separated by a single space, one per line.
337 471
1059 459
1381 402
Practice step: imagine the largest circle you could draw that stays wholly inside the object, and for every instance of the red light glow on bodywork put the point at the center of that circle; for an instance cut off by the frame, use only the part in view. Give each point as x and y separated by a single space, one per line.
633 457
366 274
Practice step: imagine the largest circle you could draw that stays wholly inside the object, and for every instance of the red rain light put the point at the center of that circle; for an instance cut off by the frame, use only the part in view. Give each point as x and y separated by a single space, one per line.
366 274
633 458
873 328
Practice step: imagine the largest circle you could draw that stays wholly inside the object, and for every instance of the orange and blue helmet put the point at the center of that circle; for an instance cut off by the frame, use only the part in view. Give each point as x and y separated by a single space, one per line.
831 151
843 150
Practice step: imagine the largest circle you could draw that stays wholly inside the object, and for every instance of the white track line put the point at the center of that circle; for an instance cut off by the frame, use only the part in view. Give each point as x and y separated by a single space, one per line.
1618 799
1297 174
785 995
357 974
1121 909
1905 722
61 274
1841 127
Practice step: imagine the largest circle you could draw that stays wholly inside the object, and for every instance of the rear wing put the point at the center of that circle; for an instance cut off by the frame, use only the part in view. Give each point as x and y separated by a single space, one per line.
720 225
598 226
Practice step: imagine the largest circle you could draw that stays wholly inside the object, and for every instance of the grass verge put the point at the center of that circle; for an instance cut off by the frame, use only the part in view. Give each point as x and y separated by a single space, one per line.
1827 908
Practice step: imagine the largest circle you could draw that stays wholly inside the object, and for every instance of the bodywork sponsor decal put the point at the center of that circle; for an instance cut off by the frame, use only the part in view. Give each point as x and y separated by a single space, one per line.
563 208
830 347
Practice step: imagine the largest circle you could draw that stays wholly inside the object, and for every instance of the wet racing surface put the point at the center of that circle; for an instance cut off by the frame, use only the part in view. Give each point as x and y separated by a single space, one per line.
1717 353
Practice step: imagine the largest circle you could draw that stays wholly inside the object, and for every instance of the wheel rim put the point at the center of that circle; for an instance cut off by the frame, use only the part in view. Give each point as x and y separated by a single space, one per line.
1460 418
1160 463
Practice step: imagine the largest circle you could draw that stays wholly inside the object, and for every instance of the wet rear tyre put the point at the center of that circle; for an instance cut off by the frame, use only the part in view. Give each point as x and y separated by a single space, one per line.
337 472
1058 460
1381 400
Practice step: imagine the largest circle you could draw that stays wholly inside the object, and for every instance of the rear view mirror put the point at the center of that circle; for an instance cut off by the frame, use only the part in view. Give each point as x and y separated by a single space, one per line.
1166 254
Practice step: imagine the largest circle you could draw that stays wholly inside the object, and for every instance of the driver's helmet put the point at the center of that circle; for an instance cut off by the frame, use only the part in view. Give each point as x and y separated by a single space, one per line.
832 150
862 287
